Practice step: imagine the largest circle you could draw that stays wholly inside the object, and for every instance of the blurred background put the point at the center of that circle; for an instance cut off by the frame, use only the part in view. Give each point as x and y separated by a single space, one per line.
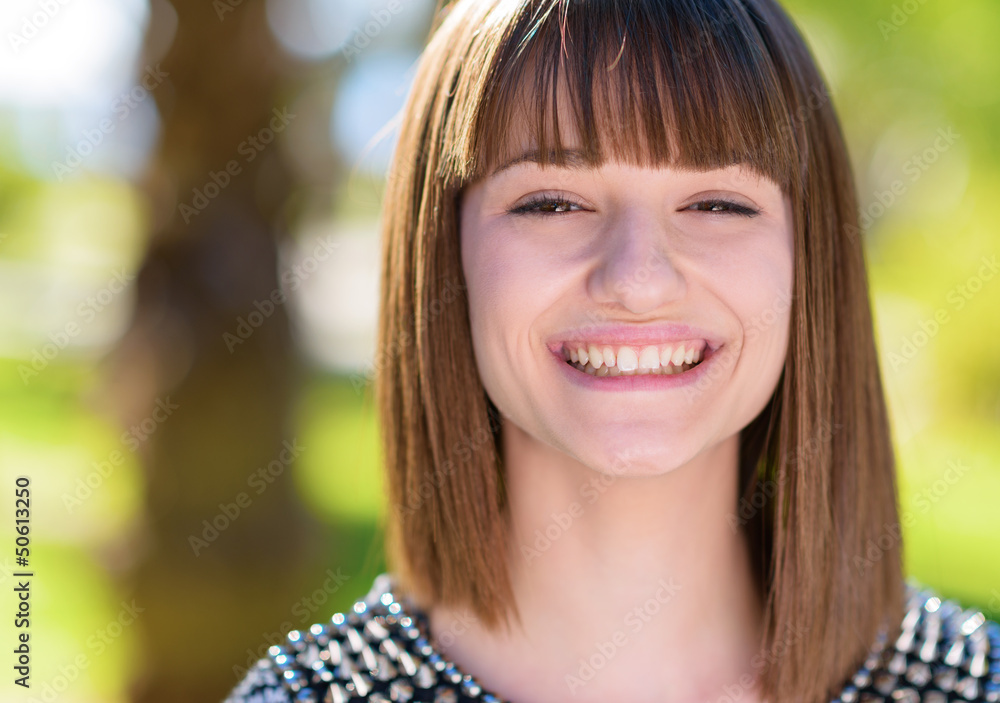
189 195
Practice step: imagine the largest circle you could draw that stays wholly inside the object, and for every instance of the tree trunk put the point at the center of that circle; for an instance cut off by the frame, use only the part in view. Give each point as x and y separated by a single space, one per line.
226 542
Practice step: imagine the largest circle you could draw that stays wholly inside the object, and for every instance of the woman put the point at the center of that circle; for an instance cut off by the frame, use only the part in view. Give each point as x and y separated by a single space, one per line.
644 455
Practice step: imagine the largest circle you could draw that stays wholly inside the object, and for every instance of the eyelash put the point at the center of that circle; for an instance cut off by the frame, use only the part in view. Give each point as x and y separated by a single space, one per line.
731 207
531 207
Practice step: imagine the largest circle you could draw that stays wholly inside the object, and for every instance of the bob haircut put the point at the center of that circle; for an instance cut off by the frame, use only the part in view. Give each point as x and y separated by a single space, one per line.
690 83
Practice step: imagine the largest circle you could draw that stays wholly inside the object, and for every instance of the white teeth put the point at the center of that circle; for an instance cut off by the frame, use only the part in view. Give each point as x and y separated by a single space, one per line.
650 359
665 355
596 358
627 360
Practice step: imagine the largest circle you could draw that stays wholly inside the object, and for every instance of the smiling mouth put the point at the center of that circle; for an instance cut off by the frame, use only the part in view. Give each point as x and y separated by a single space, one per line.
649 360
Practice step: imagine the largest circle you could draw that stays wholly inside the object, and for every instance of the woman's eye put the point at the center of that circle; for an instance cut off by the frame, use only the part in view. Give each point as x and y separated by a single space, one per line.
544 206
547 205
723 207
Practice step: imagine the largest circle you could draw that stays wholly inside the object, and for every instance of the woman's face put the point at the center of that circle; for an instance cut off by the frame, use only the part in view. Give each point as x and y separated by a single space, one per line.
636 262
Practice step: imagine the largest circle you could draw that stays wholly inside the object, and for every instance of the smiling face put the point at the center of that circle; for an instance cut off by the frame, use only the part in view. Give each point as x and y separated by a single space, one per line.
675 284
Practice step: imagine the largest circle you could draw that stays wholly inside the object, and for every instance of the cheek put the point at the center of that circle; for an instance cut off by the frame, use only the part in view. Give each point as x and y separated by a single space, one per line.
765 301
500 309
751 277
512 279
767 306
492 282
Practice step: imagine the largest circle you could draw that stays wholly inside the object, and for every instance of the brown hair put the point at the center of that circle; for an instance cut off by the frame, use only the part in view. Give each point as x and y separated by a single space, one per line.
702 83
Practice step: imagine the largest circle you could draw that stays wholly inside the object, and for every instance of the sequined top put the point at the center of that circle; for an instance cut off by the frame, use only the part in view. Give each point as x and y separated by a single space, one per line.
380 650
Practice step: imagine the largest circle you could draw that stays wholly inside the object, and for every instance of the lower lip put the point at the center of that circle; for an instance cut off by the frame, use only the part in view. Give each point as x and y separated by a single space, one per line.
639 382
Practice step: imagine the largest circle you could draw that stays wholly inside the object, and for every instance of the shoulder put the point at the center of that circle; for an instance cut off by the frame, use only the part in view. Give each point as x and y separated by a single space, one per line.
943 653
376 651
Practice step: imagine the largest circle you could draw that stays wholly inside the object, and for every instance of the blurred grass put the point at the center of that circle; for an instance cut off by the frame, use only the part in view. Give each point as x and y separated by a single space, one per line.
340 477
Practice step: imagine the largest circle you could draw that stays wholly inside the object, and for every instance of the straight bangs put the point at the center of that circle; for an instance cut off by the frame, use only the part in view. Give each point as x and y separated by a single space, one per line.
648 83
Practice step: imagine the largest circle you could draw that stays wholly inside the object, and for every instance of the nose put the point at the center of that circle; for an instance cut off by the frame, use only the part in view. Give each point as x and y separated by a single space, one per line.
636 267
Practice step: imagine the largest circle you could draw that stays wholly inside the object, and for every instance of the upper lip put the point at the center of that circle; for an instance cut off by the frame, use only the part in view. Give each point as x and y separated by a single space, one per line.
632 335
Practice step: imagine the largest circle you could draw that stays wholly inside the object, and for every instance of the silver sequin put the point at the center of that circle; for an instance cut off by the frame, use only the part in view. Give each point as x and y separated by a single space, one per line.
380 650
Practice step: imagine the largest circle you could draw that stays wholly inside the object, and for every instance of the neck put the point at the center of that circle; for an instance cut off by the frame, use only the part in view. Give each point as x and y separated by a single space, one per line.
629 588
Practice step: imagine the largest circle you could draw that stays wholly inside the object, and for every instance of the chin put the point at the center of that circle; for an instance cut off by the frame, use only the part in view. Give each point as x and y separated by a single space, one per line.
639 458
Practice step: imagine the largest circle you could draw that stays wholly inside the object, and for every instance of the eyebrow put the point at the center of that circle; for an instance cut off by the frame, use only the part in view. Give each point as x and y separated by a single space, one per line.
574 159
